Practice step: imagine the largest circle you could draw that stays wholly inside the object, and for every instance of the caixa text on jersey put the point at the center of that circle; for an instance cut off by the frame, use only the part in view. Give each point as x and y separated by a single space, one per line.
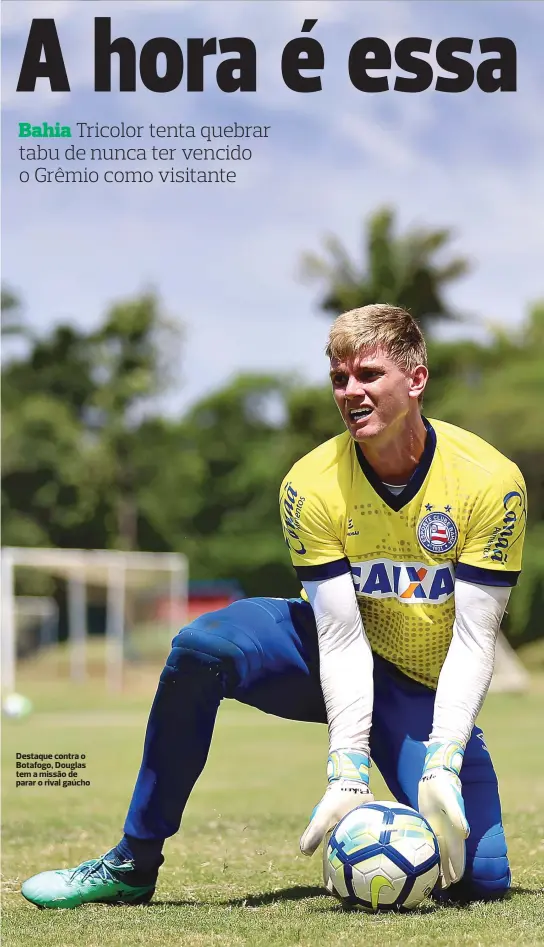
409 582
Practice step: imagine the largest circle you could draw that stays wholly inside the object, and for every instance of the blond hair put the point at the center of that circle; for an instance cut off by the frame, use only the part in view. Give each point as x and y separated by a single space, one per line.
379 326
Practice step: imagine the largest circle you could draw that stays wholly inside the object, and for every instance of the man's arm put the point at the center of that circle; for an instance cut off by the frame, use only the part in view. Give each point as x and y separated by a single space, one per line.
346 664
318 555
488 566
346 669
468 668
462 687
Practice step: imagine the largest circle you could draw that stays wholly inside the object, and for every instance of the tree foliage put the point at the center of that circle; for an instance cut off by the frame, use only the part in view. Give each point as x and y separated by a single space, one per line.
70 428
407 270
12 317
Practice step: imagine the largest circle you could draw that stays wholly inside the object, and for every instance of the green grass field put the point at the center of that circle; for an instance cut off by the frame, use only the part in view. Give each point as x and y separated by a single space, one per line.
234 875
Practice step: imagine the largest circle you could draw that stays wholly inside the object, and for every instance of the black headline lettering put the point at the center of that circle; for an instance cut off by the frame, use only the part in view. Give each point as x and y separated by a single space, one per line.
162 65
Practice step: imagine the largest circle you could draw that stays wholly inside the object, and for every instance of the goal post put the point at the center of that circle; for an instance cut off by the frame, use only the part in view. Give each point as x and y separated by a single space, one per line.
119 573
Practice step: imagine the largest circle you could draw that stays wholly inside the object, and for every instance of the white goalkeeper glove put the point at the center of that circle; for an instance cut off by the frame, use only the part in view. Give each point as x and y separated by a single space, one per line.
440 801
347 772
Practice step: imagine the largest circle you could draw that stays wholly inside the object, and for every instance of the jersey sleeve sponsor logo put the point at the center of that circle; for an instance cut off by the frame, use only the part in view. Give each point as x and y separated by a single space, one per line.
290 509
501 537
437 532
409 582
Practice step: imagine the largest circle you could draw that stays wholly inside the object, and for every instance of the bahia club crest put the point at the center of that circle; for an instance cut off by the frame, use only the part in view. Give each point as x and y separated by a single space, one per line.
437 532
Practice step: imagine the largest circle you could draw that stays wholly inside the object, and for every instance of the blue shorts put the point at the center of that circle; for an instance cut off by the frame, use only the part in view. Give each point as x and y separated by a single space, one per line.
264 652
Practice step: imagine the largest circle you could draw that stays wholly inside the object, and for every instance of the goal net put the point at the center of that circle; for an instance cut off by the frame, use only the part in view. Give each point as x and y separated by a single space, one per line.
130 603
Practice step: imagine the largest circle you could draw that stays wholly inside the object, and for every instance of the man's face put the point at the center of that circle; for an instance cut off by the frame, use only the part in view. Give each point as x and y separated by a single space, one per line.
373 393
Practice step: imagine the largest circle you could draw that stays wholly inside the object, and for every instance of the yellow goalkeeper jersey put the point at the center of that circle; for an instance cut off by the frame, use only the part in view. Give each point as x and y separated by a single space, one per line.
462 514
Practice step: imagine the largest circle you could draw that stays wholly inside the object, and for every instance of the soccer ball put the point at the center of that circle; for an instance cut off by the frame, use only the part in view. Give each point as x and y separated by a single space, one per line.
16 706
381 856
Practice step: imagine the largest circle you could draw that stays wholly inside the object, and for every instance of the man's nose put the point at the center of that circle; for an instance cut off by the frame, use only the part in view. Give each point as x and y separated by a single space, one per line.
354 387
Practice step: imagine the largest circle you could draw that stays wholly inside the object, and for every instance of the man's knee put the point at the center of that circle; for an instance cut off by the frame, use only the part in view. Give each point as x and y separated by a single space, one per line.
206 650
488 871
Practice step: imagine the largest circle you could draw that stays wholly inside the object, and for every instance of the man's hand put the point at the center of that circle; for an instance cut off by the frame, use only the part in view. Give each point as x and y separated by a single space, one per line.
347 772
440 801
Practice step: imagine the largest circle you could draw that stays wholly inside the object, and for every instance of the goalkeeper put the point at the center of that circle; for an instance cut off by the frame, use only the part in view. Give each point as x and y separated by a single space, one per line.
406 535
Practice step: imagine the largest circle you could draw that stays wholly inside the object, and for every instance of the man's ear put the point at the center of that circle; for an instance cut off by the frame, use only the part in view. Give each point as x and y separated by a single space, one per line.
418 382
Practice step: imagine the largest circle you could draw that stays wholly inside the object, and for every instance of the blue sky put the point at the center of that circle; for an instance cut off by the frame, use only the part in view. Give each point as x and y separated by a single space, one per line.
225 259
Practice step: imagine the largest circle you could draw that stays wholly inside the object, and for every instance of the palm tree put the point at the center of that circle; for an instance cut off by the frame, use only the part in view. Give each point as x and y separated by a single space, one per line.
400 270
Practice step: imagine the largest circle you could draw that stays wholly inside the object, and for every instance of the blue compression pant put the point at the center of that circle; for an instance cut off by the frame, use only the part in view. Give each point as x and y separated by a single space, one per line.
264 652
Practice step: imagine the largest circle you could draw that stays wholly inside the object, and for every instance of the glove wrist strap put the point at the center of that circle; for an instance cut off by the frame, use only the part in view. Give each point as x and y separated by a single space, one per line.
444 756
348 764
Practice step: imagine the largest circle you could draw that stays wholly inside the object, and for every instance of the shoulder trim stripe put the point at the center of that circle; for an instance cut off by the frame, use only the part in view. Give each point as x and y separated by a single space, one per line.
498 577
327 570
